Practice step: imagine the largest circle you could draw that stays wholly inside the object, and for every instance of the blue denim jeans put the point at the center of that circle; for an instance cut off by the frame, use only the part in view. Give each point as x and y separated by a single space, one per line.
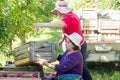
86 74
66 77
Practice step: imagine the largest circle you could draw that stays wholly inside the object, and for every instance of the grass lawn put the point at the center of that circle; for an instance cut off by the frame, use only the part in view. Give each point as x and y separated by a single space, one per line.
99 72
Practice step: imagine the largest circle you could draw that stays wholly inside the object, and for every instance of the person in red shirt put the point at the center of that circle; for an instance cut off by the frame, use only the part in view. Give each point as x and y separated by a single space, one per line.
69 23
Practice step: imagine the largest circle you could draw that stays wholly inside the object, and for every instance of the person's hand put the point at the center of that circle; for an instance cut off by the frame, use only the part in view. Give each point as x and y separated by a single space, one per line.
37 25
60 42
41 61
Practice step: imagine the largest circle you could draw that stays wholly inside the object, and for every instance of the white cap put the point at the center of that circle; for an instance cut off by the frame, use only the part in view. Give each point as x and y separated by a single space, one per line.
75 38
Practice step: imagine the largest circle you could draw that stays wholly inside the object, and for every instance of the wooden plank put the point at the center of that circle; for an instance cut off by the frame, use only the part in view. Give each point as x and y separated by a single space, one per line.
37 44
54 55
22 56
89 16
20 52
111 38
100 57
109 31
90 28
23 62
92 35
88 13
46 58
89 22
21 69
91 38
21 47
43 49
114 27
106 21
41 54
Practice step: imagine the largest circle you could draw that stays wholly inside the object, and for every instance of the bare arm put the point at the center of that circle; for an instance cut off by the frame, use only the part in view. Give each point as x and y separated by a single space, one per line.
52 66
45 62
50 25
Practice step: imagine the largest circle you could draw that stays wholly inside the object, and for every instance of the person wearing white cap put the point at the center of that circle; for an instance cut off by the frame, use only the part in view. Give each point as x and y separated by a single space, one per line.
71 62
69 23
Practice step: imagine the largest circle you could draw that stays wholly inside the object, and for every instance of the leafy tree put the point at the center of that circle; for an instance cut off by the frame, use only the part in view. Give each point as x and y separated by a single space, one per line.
104 4
17 18
109 4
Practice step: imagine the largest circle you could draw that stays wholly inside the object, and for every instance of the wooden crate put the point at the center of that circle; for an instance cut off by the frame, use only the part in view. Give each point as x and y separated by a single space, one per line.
110 29
109 26
31 51
89 23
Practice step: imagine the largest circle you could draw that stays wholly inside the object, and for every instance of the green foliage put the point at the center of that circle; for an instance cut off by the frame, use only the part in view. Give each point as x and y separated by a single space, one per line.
77 3
103 4
109 4
17 18
104 71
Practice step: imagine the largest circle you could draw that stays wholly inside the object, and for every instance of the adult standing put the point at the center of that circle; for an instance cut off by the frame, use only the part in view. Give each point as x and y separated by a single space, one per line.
69 23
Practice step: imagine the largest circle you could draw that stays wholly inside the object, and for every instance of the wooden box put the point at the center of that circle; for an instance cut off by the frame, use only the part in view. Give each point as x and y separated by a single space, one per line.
31 51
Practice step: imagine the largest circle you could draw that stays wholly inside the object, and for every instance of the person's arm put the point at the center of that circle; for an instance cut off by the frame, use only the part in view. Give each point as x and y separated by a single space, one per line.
61 40
52 66
45 62
49 25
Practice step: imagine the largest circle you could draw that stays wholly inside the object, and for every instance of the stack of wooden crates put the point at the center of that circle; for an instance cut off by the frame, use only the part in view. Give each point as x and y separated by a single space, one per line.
96 29
89 22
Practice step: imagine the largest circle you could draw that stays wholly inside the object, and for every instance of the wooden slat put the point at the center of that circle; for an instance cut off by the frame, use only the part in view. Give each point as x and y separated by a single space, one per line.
22 56
114 27
21 47
109 21
43 49
37 44
89 13
89 16
91 38
41 54
89 22
23 62
94 35
111 38
90 28
109 31
46 58
20 52
54 55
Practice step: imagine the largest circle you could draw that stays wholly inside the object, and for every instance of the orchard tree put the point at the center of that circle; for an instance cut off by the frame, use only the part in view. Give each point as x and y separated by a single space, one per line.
17 18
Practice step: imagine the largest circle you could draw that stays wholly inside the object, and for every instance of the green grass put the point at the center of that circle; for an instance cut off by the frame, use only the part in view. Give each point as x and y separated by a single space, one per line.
104 71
